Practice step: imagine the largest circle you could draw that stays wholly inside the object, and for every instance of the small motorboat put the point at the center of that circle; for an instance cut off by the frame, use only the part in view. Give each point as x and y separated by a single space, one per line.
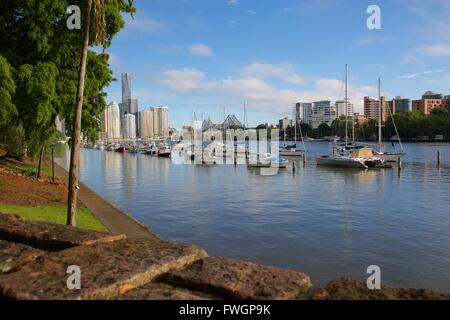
269 161
164 152
120 149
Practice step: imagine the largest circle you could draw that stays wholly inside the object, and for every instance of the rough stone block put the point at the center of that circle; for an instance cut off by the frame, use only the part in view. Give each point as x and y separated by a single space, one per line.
14 255
49 236
161 291
233 279
350 289
107 269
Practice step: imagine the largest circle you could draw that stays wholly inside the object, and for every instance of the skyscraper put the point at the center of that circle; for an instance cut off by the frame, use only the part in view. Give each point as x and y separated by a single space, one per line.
146 120
129 130
111 122
161 122
372 108
126 92
340 108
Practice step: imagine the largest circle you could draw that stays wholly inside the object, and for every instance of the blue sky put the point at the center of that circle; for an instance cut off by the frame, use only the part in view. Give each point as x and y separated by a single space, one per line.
207 55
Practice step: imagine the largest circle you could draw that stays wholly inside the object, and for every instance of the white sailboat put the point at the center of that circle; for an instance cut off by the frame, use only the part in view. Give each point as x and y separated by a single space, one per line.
349 155
293 151
386 156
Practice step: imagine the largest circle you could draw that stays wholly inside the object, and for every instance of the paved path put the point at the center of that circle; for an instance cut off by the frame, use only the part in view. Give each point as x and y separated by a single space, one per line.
113 218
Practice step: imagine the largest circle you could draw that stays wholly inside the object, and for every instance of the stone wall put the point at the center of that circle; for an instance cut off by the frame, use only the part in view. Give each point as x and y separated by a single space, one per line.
34 257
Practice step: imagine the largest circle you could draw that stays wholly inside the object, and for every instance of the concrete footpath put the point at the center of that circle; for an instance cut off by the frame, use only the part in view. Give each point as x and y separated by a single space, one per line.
112 217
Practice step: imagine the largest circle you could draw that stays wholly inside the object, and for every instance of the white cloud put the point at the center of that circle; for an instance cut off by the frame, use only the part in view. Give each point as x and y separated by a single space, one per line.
262 95
233 2
144 23
437 50
186 80
414 75
200 50
283 71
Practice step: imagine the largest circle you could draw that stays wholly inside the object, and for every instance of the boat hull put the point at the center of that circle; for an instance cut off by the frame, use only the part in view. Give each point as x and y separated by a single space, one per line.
340 162
391 157
291 153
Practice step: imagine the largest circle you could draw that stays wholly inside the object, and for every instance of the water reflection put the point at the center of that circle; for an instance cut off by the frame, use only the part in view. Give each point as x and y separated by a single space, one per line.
322 221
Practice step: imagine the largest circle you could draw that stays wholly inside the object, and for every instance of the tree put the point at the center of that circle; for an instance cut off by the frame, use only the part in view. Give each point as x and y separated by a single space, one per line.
100 36
7 91
35 98
324 130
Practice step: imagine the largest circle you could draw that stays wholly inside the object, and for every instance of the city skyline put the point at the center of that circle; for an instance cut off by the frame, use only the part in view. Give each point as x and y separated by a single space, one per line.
205 56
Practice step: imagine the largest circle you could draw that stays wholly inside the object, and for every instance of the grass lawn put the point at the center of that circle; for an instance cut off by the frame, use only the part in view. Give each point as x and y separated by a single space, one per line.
53 214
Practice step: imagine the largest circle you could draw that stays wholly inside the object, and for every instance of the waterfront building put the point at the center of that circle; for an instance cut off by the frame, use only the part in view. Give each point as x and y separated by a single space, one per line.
161 122
359 118
430 100
401 104
340 108
111 122
129 129
372 108
132 106
432 95
146 130
126 92
322 112
303 111
285 123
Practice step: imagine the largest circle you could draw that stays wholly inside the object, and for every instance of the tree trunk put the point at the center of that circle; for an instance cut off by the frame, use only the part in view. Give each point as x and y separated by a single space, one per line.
41 154
76 130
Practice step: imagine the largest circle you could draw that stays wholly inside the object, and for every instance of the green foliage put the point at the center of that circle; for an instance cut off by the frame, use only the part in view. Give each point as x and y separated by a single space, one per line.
324 130
413 124
39 62
7 91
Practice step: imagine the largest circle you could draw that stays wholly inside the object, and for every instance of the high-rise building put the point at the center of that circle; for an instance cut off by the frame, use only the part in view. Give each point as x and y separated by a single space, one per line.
126 92
111 122
132 106
322 112
303 111
161 122
285 123
129 129
372 108
340 108
430 100
146 120
402 104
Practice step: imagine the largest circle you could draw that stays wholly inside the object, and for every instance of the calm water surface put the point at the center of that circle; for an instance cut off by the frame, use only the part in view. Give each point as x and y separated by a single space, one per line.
324 222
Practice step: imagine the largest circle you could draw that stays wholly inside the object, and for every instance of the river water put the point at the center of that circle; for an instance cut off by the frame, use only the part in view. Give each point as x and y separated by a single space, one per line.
321 221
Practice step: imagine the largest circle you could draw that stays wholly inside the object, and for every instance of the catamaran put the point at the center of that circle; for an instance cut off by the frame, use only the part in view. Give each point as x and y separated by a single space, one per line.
350 155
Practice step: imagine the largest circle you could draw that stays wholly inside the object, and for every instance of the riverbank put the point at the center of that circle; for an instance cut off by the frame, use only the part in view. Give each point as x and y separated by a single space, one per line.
109 215
38 200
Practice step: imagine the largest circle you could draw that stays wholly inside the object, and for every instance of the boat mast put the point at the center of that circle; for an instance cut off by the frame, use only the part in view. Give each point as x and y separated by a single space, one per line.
379 116
295 125
346 104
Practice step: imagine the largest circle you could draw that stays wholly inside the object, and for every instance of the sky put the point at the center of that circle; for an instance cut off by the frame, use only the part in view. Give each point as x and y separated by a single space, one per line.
211 56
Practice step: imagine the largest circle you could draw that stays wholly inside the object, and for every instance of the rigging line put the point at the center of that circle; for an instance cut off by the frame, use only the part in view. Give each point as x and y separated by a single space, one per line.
396 131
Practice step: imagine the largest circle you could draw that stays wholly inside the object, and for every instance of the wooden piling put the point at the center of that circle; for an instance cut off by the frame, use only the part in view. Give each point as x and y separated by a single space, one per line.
438 158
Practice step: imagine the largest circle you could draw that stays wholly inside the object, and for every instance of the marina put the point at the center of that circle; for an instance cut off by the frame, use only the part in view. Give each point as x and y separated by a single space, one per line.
326 222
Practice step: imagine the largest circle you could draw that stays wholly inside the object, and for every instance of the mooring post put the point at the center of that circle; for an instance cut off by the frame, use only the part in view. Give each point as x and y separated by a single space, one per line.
293 166
400 164
438 158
